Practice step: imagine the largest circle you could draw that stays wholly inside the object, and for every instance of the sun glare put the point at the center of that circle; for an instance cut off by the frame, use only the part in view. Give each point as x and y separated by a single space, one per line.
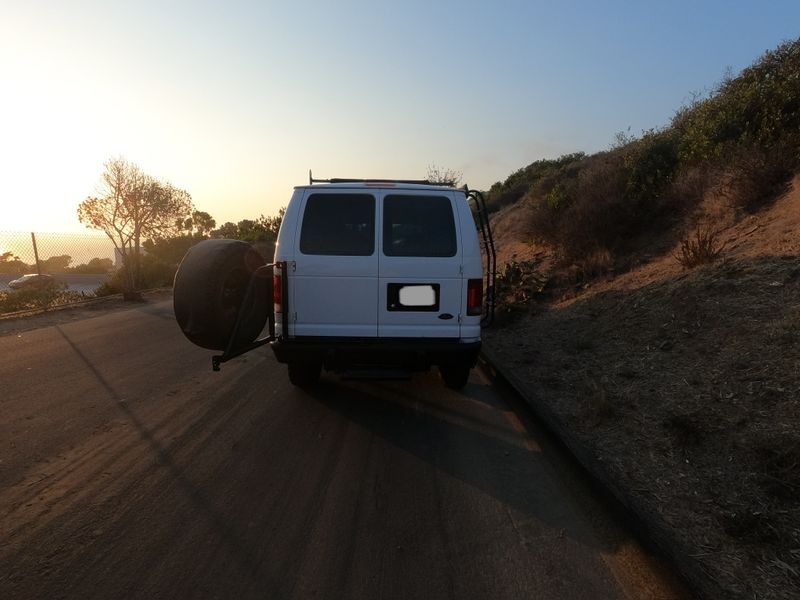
55 139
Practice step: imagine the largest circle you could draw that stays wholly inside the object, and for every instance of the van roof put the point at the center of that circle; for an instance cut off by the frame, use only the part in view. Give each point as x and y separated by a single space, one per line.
405 184
373 184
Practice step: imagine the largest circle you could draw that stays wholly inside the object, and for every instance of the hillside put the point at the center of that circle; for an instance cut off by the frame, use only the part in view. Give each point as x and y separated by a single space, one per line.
681 385
678 380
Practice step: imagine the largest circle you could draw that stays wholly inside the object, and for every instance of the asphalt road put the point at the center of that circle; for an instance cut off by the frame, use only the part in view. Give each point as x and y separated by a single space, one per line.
129 469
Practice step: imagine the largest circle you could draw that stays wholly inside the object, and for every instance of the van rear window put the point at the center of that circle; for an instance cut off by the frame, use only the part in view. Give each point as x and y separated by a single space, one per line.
418 226
339 225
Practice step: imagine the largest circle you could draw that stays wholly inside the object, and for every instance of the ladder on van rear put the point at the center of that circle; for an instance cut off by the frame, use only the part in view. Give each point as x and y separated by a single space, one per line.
485 227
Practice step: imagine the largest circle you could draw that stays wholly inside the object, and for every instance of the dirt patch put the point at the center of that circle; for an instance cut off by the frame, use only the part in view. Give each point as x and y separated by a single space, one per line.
683 387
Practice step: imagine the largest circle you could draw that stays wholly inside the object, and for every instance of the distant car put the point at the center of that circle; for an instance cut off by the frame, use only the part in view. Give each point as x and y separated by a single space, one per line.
32 281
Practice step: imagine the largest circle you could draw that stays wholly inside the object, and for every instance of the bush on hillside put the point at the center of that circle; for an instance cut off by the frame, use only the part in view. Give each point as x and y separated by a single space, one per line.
761 106
756 176
153 273
519 183
651 162
743 140
586 212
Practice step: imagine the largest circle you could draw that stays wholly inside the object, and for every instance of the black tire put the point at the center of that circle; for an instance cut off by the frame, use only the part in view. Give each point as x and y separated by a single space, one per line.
210 288
455 376
304 374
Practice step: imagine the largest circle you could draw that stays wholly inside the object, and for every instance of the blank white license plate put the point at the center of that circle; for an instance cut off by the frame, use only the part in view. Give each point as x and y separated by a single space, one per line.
417 295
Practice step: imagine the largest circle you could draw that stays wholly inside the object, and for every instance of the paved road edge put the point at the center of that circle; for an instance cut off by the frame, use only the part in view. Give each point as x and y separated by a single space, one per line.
652 530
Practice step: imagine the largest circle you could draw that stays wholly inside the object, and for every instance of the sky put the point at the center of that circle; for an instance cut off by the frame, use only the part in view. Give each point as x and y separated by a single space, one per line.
235 101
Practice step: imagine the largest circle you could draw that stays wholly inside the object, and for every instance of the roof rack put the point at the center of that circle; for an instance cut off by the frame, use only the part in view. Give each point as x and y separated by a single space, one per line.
312 181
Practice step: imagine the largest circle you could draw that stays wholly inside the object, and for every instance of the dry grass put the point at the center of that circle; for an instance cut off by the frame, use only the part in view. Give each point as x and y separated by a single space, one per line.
686 390
701 247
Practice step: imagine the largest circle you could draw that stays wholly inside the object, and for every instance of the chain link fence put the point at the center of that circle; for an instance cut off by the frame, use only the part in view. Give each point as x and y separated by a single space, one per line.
75 266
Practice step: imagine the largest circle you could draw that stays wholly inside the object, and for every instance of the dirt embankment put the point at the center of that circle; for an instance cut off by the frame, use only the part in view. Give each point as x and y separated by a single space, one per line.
683 388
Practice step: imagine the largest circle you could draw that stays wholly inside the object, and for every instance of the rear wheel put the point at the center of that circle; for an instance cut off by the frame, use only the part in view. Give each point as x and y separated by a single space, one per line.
455 376
304 374
210 289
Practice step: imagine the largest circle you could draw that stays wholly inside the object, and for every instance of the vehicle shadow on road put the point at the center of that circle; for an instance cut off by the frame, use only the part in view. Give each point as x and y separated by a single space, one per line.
443 430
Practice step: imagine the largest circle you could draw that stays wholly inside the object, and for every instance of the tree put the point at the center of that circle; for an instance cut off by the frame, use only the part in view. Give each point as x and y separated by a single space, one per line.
56 264
226 231
442 176
262 229
132 206
171 250
10 263
261 232
94 266
200 223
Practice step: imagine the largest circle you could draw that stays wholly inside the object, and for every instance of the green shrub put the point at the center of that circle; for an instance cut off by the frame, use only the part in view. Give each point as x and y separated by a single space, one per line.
760 106
591 211
556 197
153 273
517 284
651 162
109 288
520 183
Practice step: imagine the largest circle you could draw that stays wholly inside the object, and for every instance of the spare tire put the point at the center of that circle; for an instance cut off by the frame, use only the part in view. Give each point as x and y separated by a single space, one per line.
210 289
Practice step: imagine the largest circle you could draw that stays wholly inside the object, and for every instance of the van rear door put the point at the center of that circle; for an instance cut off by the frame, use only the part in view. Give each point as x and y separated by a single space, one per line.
420 280
334 287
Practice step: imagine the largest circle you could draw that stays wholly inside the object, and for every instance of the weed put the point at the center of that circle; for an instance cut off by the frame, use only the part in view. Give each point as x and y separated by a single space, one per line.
700 247
519 282
595 263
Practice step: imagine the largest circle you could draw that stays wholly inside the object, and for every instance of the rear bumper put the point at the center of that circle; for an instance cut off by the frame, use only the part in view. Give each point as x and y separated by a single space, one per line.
342 353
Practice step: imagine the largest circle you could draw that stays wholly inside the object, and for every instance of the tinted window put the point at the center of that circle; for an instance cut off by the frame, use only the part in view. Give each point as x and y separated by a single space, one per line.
339 224
418 226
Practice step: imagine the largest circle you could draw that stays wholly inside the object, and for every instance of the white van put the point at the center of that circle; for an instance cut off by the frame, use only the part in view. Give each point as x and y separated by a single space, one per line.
370 278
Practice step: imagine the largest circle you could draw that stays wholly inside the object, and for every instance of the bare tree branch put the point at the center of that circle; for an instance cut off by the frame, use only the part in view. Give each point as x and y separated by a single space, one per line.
132 206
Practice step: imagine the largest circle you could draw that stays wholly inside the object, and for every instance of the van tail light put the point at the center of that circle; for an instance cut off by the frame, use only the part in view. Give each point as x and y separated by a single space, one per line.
277 291
474 296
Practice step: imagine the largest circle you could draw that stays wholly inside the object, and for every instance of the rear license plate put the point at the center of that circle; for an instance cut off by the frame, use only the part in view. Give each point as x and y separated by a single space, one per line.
420 297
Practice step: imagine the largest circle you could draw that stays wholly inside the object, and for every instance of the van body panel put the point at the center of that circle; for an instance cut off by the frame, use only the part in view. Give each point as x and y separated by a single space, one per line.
284 248
433 268
333 295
